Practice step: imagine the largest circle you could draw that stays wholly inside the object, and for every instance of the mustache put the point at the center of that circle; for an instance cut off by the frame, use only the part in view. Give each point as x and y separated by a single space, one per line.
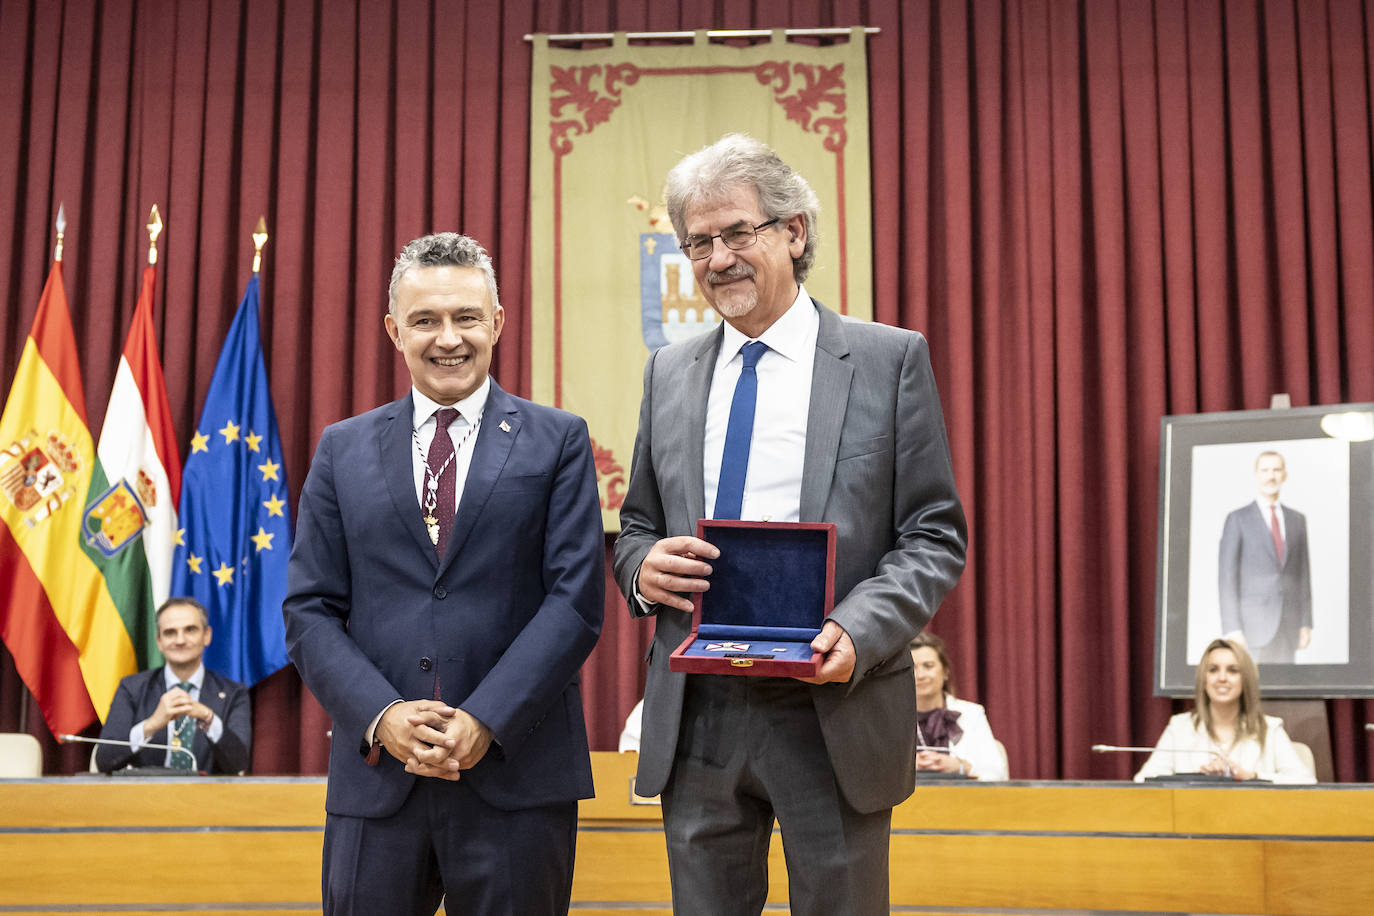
737 271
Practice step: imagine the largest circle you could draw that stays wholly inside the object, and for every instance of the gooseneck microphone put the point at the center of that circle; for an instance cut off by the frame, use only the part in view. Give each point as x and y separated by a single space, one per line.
195 766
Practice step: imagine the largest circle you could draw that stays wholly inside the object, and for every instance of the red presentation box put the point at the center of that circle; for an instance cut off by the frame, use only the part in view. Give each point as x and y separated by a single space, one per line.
771 589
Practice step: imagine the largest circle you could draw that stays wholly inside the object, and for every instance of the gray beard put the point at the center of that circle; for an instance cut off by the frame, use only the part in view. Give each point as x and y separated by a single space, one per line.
739 308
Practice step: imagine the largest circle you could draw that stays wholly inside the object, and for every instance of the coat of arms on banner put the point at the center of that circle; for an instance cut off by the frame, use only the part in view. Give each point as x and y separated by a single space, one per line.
606 125
117 517
671 306
33 476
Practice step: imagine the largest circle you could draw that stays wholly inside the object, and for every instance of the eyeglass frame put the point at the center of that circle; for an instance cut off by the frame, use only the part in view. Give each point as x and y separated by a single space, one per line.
711 239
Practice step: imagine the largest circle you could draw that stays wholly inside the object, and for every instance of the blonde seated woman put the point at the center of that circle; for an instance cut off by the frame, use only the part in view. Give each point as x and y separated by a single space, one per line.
1226 733
945 721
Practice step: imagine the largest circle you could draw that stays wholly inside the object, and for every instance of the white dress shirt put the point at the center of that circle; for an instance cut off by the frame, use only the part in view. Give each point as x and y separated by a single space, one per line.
461 431
772 483
170 680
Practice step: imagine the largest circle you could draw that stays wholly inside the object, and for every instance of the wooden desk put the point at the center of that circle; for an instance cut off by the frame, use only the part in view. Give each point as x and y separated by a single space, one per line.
77 844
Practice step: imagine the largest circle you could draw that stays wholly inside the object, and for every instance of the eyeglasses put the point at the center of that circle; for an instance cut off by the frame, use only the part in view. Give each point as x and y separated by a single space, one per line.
736 238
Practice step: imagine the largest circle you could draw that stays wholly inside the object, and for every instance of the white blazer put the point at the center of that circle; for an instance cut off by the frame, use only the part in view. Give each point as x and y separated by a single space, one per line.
1182 749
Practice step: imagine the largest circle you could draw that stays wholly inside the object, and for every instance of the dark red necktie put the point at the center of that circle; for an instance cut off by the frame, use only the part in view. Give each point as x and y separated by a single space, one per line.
441 471
1277 532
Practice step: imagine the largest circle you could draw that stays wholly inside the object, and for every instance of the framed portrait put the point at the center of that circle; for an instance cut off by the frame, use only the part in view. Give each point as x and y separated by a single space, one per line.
1266 530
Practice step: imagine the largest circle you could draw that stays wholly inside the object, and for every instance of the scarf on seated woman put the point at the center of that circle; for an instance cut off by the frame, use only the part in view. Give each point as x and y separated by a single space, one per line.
939 727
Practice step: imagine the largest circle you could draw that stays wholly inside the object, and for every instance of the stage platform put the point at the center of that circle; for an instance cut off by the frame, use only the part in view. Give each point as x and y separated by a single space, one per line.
94 845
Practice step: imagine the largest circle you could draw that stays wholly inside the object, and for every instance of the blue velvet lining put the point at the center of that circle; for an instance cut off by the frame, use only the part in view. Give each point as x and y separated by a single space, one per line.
767 577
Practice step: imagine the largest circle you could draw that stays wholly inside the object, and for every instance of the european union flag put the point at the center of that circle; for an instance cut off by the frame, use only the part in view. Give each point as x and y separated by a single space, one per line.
236 535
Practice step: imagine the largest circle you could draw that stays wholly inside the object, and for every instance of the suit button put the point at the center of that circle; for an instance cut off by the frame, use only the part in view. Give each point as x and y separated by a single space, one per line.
440 592
426 664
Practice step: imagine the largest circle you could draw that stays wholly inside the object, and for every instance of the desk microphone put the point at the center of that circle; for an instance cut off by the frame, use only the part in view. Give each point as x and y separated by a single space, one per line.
1123 749
195 766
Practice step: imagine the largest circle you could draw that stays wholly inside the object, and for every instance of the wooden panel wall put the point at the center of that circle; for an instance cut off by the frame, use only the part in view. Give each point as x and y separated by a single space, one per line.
83 843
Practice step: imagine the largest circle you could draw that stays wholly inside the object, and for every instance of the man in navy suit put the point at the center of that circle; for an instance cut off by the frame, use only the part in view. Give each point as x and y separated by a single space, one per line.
180 703
445 587
1265 576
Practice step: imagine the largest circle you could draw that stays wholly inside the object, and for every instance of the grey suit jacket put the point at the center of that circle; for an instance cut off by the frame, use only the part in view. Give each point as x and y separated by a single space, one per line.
1258 594
877 465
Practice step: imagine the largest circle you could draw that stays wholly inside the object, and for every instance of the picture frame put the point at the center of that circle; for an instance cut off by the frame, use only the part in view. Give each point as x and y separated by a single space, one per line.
1210 584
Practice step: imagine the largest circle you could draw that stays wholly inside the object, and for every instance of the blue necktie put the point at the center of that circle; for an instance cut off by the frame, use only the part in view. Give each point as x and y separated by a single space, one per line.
734 460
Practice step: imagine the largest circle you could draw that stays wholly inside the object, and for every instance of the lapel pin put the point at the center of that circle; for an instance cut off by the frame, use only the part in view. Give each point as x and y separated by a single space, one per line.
505 427
221 694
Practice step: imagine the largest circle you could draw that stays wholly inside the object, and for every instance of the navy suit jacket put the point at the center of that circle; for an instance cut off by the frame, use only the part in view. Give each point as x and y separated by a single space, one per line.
136 699
1259 596
505 620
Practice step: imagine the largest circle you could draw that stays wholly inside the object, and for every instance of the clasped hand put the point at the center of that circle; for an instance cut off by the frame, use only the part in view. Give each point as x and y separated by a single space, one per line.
174 704
432 738
1220 766
938 760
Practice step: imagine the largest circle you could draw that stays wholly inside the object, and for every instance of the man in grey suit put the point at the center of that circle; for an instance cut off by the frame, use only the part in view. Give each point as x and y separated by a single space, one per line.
843 425
1265 576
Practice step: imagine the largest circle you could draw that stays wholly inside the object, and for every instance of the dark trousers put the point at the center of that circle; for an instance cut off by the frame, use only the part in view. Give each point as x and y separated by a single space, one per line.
445 842
750 750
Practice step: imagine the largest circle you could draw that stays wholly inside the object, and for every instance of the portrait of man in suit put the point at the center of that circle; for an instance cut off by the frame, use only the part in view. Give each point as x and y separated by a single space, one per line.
784 412
445 586
1265 577
180 703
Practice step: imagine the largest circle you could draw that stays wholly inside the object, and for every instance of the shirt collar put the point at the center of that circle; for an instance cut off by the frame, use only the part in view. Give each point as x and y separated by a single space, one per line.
197 679
470 407
787 336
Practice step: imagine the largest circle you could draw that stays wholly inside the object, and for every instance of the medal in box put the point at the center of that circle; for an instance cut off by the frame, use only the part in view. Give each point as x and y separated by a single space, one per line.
771 589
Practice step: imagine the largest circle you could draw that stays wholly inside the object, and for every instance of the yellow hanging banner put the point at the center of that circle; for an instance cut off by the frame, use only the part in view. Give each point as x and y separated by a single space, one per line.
609 282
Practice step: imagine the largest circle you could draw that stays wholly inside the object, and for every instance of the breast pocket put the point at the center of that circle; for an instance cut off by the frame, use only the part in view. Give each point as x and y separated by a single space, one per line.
521 483
862 448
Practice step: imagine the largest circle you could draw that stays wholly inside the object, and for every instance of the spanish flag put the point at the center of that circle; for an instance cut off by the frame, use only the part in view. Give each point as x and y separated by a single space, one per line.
57 617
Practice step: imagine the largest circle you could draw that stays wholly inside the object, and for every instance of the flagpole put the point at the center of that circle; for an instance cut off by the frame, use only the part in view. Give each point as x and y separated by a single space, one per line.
259 240
60 224
154 230
61 231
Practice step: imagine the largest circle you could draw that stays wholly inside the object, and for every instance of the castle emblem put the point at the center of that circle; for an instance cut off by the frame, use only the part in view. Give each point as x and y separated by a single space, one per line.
671 306
114 520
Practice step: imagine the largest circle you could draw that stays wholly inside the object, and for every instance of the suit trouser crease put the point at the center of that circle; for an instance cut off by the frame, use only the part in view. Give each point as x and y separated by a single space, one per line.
751 749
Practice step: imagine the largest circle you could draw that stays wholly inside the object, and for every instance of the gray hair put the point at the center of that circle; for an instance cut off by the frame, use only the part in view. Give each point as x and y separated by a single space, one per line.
442 249
735 160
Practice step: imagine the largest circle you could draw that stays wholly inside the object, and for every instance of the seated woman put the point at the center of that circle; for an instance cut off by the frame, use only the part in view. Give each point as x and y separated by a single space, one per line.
1226 733
944 721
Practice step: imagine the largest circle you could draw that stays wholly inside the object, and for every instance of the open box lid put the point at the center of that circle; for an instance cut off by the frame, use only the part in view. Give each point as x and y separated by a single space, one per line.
768 574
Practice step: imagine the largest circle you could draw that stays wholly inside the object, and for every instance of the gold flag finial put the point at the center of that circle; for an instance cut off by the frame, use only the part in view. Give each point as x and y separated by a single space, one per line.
259 239
154 230
61 230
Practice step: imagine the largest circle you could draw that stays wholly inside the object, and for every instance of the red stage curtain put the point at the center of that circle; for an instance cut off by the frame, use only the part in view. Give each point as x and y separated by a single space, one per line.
1099 214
